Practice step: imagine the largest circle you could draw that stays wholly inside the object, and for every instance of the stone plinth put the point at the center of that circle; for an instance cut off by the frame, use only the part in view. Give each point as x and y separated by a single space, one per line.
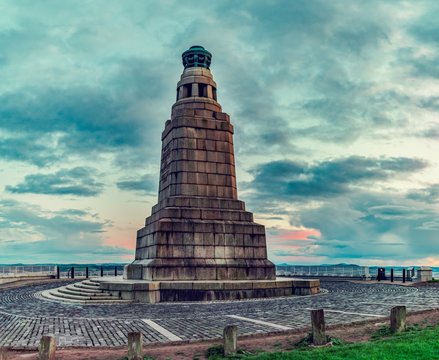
166 291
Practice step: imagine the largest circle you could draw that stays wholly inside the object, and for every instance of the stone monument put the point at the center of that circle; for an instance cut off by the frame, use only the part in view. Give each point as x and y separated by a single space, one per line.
200 243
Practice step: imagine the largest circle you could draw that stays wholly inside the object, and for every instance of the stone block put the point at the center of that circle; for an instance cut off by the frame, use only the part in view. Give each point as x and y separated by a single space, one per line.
204 227
207 285
204 113
211 190
204 252
260 252
47 348
189 251
209 239
260 284
212 107
175 238
219 238
186 273
211 167
191 213
220 252
176 285
198 239
178 251
163 273
132 271
229 252
221 116
205 273
239 252
284 284
239 240
229 239
221 273
197 155
211 214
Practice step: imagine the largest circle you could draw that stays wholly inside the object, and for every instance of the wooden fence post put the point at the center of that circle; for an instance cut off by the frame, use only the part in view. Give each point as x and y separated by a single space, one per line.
318 327
47 348
398 319
135 346
230 339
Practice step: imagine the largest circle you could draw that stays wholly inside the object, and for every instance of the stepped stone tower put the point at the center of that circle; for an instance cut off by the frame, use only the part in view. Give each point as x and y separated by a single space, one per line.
199 242
199 230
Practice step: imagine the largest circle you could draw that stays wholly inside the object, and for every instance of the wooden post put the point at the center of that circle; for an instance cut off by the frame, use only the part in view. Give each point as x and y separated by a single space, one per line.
57 272
230 333
102 271
72 275
398 319
391 275
115 271
47 348
135 346
86 272
403 275
318 327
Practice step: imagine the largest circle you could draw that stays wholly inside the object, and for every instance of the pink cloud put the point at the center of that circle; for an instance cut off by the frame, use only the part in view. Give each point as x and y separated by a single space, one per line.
303 234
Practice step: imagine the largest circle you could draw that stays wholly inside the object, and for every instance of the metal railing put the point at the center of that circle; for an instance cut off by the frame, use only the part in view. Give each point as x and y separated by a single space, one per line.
323 271
59 271
89 271
27 270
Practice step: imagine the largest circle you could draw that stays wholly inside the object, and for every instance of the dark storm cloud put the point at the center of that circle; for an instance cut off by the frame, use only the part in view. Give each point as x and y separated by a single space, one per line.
146 183
313 41
287 179
79 181
373 226
429 194
88 118
26 149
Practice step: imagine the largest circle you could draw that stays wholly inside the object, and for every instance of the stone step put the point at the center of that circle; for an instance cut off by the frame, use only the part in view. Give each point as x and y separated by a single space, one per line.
90 282
53 295
94 282
68 292
81 285
83 290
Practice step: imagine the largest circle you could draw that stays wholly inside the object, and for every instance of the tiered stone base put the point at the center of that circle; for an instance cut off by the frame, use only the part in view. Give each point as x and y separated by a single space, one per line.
168 291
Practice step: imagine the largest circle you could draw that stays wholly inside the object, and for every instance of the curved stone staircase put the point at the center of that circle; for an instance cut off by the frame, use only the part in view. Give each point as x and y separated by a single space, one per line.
84 292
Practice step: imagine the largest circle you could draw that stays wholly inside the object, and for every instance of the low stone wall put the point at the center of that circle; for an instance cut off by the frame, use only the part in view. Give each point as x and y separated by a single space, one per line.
168 291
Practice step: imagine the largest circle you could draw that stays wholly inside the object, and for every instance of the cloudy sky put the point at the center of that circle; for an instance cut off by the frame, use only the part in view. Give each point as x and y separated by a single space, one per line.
335 106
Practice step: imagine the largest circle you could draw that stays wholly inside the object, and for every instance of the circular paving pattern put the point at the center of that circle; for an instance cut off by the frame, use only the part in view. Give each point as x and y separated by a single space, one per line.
25 316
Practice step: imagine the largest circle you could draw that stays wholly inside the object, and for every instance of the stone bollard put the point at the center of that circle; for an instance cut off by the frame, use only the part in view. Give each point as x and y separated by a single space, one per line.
398 319
318 327
425 274
47 348
229 337
135 346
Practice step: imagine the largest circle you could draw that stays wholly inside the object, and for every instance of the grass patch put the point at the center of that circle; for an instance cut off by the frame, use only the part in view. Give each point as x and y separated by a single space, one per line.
416 343
216 353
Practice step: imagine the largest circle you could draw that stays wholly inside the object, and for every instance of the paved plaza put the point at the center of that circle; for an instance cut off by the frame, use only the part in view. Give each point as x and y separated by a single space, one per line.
25 315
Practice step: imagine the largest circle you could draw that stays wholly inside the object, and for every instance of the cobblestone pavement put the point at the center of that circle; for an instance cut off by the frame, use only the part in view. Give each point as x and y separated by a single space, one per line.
25 316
